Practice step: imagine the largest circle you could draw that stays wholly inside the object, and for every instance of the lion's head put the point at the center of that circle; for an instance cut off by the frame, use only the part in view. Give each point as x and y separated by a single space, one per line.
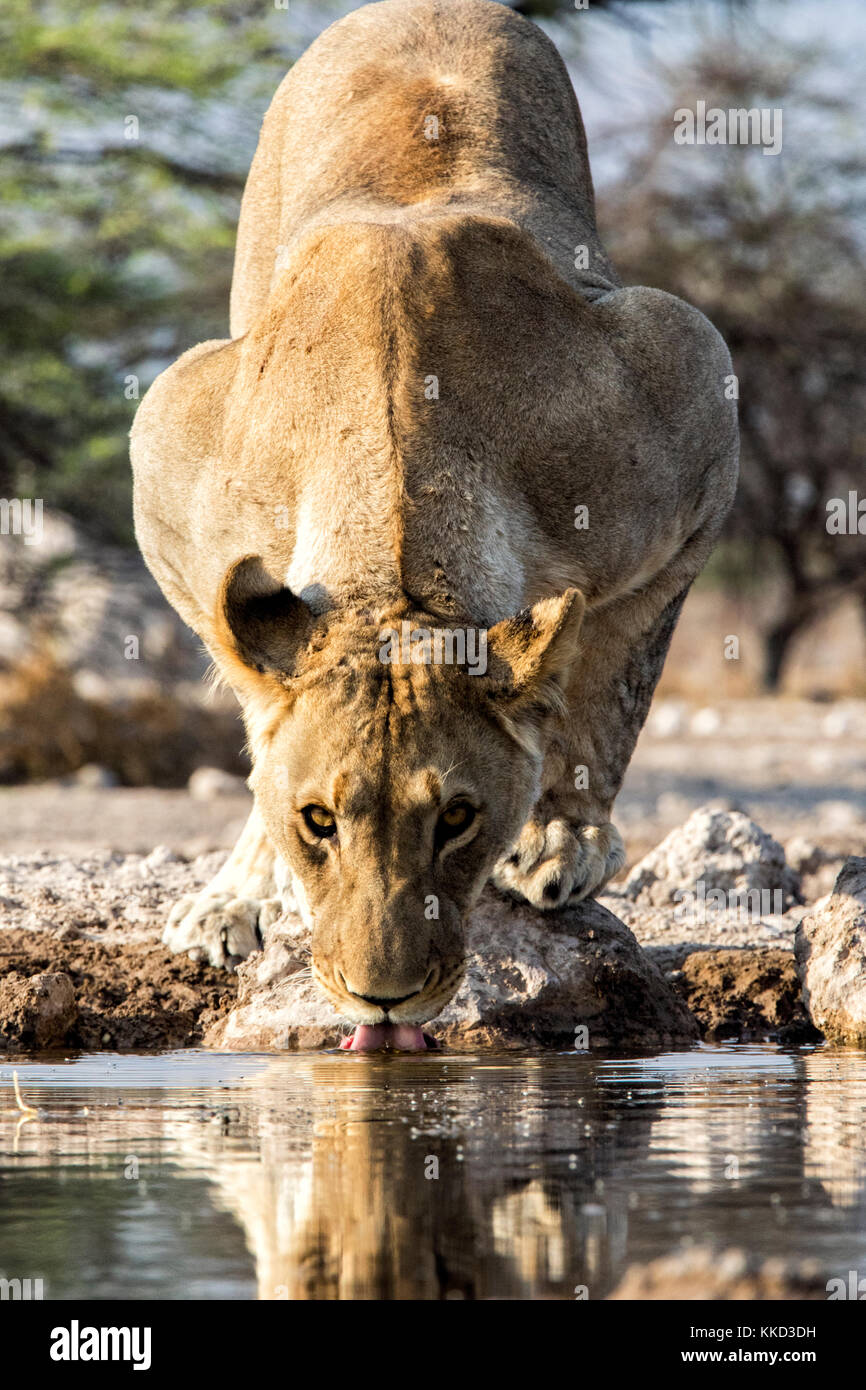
389 776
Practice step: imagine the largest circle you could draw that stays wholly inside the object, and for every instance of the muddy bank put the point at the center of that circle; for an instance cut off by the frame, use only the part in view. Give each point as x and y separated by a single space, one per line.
136 995
126 997
746 995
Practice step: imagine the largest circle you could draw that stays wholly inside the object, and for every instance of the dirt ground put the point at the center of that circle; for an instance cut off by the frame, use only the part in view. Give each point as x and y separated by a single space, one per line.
746 995
129 996
87 876
97 918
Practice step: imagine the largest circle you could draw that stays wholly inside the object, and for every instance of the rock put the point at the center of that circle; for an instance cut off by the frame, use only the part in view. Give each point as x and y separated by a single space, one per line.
705 722
278 1005
817 867
803 856
745 994
209 782
95 777
531 979
36 1012
836 816
830 947
703 1272
839 723
667 719
157 859
716 851
66 933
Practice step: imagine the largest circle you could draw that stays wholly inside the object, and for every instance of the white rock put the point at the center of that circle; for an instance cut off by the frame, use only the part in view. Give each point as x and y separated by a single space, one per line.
715 850
705 722
667 719
837 723
158 857
804 856
95 777
89 685
206 783
830 947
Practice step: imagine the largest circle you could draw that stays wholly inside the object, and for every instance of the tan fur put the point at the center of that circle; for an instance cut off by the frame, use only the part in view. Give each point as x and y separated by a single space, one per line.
307 483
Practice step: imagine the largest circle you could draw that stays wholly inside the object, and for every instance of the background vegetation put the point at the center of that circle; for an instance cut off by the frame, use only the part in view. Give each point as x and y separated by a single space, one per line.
127 132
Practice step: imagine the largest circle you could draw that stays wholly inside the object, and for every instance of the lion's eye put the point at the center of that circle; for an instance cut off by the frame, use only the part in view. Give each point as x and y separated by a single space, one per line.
319 821
454 820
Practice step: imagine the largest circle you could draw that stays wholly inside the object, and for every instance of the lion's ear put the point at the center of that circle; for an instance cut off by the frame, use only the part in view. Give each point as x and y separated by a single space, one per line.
261 626
534 651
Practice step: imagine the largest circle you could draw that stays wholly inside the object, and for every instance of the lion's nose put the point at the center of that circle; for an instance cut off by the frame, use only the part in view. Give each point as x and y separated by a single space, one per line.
383 1001
386 1004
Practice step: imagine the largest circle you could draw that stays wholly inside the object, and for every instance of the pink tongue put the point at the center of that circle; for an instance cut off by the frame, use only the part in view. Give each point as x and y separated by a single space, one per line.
370 1037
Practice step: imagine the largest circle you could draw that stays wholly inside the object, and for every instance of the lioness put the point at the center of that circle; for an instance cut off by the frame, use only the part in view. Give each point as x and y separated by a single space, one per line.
428 413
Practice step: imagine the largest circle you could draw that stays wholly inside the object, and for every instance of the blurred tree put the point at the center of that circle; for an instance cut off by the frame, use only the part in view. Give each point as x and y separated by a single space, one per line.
126 134
771 249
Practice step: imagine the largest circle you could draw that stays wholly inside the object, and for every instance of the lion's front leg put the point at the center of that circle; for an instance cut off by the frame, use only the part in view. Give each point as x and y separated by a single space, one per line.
226 921
569 848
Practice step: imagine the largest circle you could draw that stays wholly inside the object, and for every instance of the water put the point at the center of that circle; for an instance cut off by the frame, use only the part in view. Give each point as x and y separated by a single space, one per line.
200 1175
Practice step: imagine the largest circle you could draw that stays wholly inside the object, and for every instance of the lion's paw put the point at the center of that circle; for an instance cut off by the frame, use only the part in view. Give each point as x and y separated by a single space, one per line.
219 928
553 864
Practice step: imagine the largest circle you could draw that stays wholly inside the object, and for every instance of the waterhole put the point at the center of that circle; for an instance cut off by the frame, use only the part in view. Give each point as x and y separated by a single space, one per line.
200 1175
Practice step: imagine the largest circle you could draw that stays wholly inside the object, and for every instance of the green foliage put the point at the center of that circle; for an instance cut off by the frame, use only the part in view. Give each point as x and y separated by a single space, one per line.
117 251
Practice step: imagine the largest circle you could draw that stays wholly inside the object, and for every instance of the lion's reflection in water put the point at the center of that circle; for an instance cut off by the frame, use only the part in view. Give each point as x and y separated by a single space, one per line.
428 1176
539 1177
386 1177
